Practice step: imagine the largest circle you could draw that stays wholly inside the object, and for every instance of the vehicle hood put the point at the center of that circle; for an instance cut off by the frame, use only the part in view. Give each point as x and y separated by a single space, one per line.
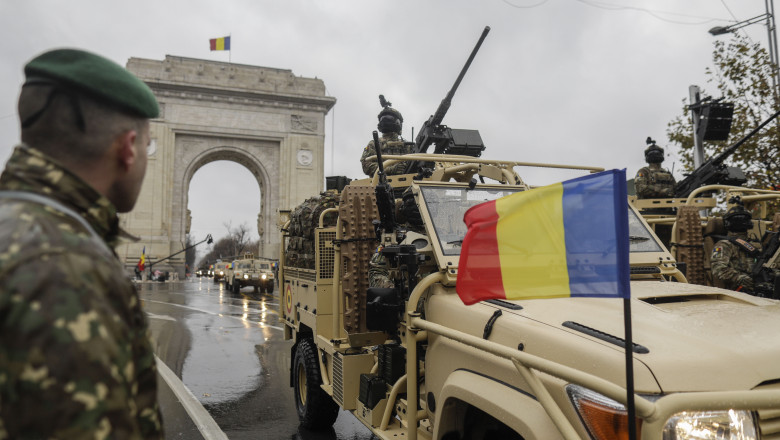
696 336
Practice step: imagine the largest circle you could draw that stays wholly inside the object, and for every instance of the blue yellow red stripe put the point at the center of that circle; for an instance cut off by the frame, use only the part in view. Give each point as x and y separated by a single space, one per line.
220 43
565 239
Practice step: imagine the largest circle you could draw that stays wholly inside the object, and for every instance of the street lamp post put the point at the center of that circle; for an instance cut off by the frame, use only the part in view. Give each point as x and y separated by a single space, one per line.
769 16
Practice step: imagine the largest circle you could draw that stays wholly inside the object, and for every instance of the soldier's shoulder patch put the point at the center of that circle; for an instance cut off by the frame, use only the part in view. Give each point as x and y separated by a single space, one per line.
717 251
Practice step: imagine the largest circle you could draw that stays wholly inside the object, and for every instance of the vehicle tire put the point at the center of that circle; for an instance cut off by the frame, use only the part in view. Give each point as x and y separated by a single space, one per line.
236 287
227 284
270 287
316 409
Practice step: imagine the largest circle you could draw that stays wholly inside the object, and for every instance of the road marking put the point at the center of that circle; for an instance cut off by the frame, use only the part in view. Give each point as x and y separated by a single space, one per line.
163 317
202 419
262 324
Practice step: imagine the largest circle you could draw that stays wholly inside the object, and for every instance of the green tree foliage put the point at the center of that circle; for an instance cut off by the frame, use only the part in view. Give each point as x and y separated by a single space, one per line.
742 74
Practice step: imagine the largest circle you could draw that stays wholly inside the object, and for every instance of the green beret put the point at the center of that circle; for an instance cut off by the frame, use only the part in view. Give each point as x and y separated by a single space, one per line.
99 78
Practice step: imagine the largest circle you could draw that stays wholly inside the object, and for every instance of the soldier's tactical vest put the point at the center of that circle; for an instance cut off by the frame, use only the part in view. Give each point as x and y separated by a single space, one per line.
394 147
661 177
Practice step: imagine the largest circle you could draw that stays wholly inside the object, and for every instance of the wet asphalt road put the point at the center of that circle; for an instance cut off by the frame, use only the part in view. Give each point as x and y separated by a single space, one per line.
229 351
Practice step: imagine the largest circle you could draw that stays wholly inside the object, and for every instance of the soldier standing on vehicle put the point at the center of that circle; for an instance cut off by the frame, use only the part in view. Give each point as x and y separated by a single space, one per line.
75 358
733 257
390 124
653 181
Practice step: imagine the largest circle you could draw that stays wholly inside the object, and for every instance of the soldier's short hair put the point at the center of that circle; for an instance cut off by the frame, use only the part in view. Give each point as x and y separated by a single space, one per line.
73 126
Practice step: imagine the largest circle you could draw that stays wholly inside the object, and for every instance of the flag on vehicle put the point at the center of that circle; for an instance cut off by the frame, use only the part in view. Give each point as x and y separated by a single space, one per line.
568 239
220 43
142 261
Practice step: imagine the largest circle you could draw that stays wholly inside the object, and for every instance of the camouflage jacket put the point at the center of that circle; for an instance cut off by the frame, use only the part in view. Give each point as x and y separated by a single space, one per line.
654 182
732 263
391 143
75 357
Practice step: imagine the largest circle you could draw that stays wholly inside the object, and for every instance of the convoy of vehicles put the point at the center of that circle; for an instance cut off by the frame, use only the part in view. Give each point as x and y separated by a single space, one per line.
414 361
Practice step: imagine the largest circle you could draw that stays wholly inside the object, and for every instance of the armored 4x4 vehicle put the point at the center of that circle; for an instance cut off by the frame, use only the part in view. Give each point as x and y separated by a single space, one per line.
413 361
690 229
220 268
250 271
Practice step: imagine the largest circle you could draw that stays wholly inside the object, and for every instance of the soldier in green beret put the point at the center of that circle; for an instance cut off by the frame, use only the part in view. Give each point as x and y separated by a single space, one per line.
75 356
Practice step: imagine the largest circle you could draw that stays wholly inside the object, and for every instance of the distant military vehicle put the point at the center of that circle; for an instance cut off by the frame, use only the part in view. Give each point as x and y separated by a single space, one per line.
250 271
220 268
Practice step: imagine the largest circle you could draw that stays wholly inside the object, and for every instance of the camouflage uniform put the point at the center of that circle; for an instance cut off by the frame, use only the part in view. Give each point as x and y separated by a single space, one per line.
75 356
378 273
732 263
392 143
653 181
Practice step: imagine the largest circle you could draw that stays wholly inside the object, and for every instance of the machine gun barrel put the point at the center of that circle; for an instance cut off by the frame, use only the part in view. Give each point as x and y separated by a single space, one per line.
438 117
711 171
431 129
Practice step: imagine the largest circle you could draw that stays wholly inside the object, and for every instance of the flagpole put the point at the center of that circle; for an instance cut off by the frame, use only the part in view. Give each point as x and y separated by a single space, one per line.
629 369
230 51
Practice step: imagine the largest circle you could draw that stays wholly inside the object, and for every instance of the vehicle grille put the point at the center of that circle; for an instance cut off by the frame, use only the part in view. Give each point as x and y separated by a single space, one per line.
769 419
338 379
326 254
303 274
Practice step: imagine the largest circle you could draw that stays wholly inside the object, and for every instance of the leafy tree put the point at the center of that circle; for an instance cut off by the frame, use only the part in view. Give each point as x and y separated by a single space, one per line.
742 74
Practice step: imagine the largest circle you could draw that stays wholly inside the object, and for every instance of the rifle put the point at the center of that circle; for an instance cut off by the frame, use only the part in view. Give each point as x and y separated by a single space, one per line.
447 140
385 200
713 171
766 282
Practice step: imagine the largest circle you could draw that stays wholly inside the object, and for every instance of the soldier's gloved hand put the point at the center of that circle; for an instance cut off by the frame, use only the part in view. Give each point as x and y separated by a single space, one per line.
746 282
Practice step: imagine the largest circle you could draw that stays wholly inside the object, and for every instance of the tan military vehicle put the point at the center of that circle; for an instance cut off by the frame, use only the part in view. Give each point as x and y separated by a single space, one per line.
690 227
250 271
414 362
220 268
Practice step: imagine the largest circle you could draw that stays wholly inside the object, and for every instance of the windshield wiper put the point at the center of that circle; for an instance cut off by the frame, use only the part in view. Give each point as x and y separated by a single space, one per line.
457 242
636 238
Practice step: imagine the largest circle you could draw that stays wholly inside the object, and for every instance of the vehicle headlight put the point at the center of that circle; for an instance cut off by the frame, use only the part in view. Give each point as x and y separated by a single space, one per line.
263 276
608 419
706 425
246 276
221 273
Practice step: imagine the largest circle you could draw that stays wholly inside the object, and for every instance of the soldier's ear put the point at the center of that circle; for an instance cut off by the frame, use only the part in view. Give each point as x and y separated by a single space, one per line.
126 151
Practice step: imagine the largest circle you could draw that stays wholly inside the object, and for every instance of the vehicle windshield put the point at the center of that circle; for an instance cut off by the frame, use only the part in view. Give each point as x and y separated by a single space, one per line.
448 205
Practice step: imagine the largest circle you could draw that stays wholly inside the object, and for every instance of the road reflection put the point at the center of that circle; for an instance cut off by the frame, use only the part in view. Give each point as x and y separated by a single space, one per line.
229 350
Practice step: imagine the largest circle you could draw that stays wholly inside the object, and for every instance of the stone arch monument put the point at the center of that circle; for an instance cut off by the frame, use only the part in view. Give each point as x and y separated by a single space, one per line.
268 120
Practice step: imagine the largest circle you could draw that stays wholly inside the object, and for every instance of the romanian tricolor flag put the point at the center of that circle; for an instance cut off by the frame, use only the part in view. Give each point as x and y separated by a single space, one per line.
569 239
142 261
220 43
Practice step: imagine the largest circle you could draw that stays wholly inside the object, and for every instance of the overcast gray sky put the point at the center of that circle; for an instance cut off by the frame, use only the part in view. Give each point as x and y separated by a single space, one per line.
564 81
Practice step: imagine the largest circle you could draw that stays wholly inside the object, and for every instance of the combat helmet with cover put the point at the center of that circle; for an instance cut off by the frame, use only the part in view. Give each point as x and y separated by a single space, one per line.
653 153
390 119
737 219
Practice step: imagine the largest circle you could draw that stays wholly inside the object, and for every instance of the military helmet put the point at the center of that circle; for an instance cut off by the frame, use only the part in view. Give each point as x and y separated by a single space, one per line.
654 154
737 219
390 120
